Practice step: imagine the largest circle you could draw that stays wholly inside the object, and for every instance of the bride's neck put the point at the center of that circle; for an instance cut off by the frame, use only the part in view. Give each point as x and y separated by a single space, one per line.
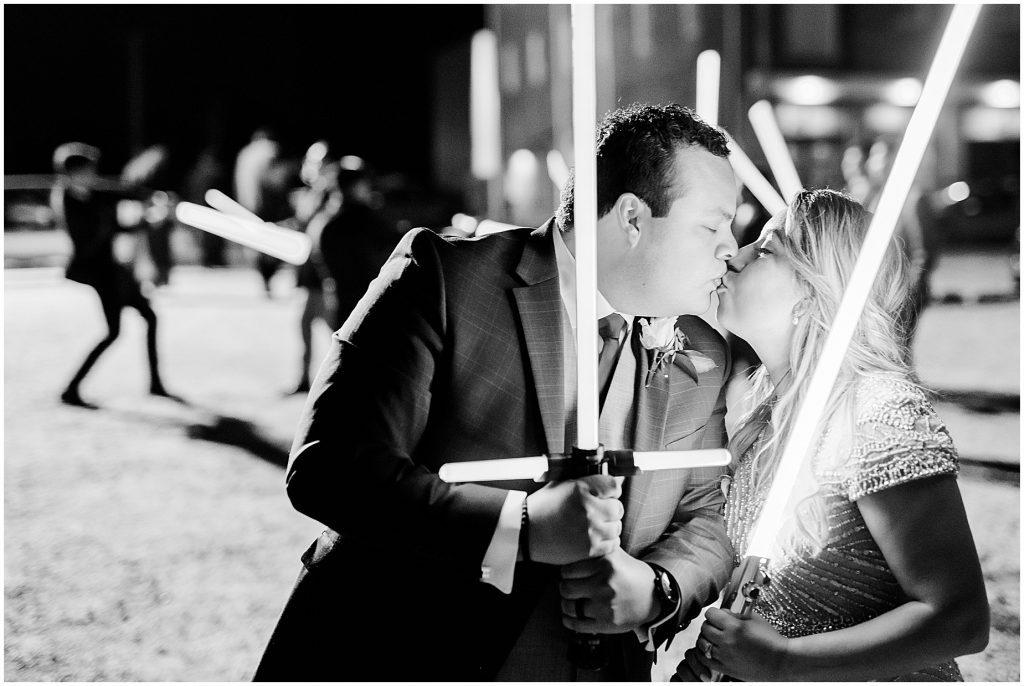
776 364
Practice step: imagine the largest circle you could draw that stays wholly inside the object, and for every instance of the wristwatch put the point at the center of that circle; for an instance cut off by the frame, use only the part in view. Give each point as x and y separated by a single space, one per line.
664 588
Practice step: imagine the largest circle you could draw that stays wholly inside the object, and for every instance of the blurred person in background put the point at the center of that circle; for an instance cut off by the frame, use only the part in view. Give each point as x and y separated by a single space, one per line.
251 164
277 187
875 574
151 168
207 172
252 168
316 205
357 241
866 168
88 206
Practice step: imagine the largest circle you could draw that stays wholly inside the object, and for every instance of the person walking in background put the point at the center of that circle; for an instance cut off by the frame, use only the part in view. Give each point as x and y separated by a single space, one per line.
875 573
88 206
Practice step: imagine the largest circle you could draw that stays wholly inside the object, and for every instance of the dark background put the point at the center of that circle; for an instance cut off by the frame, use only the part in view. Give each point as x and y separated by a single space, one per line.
358 75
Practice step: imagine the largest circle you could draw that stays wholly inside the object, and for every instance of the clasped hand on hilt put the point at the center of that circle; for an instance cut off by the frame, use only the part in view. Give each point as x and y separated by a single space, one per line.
745 587
588 651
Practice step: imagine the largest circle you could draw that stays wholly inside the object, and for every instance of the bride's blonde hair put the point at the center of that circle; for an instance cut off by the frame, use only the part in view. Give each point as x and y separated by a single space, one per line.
822 236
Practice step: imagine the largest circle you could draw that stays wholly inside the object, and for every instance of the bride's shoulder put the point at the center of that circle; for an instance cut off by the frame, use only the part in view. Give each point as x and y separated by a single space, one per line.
888 396
897 438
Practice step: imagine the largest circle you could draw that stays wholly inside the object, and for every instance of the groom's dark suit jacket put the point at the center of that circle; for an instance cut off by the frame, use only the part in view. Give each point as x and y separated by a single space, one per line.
456 353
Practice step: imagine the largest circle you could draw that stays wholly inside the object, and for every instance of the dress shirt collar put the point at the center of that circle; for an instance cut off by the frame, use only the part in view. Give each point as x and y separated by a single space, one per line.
567 284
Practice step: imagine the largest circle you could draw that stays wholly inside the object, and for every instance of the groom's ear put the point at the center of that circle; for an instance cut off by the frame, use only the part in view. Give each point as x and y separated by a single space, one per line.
630 213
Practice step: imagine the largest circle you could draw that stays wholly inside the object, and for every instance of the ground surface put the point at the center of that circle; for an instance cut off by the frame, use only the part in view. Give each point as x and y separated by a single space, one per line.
151 540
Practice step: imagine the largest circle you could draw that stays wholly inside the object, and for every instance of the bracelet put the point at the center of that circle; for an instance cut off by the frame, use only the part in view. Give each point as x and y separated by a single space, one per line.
524 533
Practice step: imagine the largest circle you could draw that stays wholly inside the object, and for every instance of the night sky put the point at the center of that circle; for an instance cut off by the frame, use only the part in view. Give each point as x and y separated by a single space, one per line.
358 75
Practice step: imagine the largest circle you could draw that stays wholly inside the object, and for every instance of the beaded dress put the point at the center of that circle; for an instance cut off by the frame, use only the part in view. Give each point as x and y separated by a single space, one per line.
898 438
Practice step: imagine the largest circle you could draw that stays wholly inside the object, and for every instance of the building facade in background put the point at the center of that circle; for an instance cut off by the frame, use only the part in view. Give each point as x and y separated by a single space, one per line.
836 76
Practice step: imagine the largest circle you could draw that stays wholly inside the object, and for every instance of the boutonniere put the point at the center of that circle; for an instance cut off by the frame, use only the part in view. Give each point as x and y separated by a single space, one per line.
664 339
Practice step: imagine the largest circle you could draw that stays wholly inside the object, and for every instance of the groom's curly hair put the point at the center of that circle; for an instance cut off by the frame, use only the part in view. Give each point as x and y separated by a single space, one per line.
636 147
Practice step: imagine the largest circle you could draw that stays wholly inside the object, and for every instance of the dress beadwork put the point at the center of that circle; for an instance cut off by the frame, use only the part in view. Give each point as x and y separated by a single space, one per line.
898 438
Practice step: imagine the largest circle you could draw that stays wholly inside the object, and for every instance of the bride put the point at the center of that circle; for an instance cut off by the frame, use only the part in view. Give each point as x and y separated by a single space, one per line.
876 575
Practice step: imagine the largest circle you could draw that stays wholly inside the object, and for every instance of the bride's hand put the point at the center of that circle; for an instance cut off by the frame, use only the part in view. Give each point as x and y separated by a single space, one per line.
745 649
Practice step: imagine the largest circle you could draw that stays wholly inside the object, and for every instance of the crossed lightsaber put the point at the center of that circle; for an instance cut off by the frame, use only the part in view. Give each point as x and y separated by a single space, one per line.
751 576
228 219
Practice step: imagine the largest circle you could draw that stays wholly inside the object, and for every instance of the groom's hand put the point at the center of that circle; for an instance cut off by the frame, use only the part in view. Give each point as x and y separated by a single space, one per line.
615 593
575 520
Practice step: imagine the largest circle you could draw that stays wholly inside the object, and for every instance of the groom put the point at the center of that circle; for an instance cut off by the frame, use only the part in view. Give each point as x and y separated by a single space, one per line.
464 350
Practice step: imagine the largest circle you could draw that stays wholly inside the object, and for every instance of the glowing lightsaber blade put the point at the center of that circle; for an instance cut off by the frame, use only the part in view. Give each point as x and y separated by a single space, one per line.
709 67
893 196
228 205
584 124
291 246
766 128
753 179
535 468
509 469
681 459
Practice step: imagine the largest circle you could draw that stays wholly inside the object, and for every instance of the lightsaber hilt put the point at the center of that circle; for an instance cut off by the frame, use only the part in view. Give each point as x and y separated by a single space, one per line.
741 595
583 462
586 651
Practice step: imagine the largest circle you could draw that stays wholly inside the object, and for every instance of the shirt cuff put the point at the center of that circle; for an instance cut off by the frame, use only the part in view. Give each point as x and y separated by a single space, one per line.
645 634
499 565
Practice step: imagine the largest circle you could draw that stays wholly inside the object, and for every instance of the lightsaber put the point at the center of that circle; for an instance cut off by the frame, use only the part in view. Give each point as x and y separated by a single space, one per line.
291 246
753 179
766 128
586 651
584 124
709 65
545 467
228 205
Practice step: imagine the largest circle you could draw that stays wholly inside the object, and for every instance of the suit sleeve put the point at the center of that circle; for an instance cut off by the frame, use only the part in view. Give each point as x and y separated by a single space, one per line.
695 548
354 464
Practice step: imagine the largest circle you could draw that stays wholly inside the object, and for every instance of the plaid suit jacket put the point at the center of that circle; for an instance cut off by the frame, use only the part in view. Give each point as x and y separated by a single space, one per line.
455 353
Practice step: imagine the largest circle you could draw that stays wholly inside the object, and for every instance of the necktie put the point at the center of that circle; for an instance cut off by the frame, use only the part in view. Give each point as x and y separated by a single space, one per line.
611 329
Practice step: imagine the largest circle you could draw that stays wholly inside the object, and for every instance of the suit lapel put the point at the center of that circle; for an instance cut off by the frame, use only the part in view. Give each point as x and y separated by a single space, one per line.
540 311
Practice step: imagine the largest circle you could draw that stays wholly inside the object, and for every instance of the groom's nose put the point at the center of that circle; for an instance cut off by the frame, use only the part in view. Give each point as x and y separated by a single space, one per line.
727 248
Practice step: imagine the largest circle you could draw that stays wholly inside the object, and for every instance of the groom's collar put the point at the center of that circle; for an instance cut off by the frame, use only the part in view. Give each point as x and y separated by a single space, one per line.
537 262
567 282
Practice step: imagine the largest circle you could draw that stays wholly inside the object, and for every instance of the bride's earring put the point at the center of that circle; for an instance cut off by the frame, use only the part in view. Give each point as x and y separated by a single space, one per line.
799 310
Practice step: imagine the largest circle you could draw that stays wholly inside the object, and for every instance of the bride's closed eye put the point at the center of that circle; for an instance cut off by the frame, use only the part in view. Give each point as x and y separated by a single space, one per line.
761 252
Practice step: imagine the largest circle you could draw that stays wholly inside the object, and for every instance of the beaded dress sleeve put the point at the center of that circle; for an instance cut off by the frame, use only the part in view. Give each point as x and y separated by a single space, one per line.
898 438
